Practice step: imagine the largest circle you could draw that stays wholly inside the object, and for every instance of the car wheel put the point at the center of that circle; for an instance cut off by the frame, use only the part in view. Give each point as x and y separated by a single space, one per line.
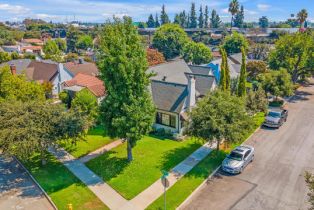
241 170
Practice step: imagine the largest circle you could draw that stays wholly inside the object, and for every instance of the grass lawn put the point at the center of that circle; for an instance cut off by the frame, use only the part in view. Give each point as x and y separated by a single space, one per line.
62 186
94 139
188 183
151 156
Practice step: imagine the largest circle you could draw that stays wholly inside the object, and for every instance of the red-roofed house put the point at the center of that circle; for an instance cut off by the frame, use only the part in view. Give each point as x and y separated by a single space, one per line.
33 41
92 83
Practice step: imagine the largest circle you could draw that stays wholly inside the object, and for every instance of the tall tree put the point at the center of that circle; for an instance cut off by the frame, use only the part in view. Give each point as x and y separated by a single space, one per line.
193 18
177 19
151 22
242 79
51 49
84 42
164 16
201 18
170 39
302 16
73 35
206 17
157 23
234 42
233 9
263 22
220 116
214 20
239 18
183 19
227 72
222 82
128 111
196 53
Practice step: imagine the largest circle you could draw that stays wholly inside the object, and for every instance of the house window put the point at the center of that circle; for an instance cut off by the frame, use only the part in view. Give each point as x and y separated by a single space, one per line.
166 119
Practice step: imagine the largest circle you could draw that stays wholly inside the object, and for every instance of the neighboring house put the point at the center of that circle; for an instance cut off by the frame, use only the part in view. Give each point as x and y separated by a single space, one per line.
33 41
12 48
175 89
42 71
32 49
92 83
82 67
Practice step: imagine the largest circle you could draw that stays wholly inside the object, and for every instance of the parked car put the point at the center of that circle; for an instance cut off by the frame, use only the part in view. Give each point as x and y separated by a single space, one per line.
238 159
276 117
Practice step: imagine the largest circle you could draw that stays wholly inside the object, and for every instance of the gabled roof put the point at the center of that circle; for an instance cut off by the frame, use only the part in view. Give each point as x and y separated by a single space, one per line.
203 70
172 71
20 64
41 71
169 96
83 68
95 85
203 83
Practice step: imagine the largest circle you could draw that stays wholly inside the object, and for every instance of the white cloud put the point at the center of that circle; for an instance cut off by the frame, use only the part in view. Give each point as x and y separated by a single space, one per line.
250 12
225 10
263 7
14 9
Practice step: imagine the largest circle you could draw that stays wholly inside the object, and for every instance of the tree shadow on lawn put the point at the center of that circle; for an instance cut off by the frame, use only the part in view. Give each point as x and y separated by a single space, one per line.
173 157
300 96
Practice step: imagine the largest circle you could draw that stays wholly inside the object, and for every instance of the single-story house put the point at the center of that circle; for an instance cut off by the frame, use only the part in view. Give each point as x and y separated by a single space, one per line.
32 49
175 88
92 83
82 67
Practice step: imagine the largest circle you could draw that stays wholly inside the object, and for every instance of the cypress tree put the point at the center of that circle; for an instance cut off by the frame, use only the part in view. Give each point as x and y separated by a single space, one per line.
151 22
242 80
193 18
227 72
206 25
222 82
201 18
163 16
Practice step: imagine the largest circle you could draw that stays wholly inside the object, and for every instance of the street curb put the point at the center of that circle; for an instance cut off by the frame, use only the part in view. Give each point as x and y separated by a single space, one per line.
34 180
187 200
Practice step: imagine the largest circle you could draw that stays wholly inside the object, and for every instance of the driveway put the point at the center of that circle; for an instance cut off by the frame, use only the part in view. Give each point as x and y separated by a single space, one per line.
275 180
17 190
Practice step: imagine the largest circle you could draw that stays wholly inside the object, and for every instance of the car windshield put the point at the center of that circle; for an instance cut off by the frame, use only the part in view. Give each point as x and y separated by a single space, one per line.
274 114
235 156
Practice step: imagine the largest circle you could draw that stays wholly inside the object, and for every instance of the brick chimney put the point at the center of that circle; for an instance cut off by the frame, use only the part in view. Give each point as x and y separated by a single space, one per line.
13 69
191 100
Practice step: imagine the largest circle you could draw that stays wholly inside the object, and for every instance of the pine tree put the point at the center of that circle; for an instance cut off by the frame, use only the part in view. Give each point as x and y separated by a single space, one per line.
206 25
201 18
177 19
157 24
193 18
242 80
215 20
188 21
183 19
151 22
239 18
163 16
222 82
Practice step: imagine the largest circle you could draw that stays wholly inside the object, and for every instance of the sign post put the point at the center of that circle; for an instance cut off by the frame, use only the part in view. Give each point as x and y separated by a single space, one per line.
165 183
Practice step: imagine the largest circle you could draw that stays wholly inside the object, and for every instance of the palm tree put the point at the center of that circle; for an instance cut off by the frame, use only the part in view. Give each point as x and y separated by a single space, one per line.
302 16
233 9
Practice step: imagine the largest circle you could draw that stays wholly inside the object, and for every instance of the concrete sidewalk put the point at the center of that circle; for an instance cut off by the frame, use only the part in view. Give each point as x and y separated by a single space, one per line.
102 190
148 196
100 151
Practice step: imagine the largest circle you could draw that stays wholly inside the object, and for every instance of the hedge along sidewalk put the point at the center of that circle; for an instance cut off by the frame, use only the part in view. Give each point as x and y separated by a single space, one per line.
184 189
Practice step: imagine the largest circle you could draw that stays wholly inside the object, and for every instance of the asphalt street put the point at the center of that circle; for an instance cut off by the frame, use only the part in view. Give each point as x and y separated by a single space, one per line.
275 180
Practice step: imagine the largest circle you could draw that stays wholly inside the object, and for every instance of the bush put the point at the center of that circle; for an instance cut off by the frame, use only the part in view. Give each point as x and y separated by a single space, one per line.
65 98
256 101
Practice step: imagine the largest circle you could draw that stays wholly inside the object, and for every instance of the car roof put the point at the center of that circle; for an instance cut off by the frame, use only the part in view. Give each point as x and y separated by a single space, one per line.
241 149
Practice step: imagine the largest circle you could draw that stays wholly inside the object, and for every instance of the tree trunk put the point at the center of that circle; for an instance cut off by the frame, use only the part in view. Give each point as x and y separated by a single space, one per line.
295 76
218 144
129 149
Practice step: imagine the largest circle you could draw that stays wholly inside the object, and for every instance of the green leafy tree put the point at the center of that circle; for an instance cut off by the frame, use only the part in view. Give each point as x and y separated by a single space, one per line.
234 42
71 57
62 45
177 19
201 18
169 39
215 21
256 101
220 116
293 52
86 103
32 126
84 42
259 51
14 56
151 22
193 18
239 18
65 97
197 53
183 19
227 72
17 87
142 25
206 17
277 83
51 49
242 79
309 179
302 16
4 57
233 9
225 79
255 68
263 22
73 35
164 18
127 111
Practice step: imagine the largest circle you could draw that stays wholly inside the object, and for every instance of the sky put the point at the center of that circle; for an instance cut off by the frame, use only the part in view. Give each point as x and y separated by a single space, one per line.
100 10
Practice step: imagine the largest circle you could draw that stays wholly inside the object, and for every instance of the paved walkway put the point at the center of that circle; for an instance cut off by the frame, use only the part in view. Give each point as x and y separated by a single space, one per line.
102 190
100 151
148 196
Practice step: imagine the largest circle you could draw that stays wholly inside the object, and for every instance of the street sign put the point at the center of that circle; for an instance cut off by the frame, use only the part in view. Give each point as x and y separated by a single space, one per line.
165 182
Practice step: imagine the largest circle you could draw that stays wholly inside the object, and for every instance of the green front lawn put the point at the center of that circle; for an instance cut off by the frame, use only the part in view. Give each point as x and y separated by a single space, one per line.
62 186
95 138
188 183
151 156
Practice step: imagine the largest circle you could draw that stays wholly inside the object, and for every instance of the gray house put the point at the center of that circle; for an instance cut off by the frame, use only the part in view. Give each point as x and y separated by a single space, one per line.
175 88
